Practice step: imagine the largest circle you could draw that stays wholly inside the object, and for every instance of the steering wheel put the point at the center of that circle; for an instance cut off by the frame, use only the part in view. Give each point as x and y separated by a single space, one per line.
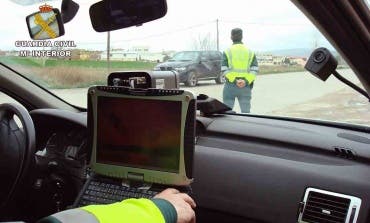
17 150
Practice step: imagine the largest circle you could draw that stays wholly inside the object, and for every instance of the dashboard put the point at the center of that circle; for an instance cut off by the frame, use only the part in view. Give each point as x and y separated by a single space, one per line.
247 169
61 159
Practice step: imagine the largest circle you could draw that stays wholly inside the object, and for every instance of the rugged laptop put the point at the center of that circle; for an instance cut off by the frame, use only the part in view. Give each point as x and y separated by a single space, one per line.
142 141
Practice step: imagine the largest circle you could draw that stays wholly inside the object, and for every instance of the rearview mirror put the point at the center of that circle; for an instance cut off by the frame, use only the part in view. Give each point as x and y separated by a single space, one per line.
45 24
69 10
109 15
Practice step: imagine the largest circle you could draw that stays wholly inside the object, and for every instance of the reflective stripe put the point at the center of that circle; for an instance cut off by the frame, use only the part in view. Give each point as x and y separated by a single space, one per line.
254 68
239 70
75 215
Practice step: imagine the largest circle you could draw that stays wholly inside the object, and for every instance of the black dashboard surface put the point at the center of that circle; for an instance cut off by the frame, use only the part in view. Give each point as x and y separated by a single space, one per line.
64 123
259 169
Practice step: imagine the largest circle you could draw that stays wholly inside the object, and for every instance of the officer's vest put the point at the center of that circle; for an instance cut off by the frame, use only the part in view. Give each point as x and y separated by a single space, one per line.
239 59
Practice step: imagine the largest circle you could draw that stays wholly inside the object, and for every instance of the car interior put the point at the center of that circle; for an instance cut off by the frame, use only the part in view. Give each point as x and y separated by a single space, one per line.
247 167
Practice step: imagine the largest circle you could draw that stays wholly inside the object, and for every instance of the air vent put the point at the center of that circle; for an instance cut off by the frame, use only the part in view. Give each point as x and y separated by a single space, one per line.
344 152
328 207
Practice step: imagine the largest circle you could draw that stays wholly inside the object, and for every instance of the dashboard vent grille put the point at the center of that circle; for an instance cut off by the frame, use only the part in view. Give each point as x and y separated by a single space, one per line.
321 206
344 153
326 208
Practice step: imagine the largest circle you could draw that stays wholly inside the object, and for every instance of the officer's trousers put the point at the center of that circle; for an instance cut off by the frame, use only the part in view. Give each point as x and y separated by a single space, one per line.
244 95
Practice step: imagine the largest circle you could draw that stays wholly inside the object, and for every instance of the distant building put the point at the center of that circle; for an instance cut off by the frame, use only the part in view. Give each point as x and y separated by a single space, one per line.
120 55
84 55
138 53
75 54
96 55
280 60
270 60
79 54
153 57
12 53
140 49
265 59
298 61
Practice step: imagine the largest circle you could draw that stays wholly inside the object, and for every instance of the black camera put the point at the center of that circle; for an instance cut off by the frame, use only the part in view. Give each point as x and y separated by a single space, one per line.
153 79
321 63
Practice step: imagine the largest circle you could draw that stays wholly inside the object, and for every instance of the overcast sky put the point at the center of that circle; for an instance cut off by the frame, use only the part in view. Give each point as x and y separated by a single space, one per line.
267 25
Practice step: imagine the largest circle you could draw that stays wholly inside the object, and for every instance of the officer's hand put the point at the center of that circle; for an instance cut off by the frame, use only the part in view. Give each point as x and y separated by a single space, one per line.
240 83
183 204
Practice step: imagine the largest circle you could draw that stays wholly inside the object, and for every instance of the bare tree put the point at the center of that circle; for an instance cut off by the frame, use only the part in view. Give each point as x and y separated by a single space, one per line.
204 42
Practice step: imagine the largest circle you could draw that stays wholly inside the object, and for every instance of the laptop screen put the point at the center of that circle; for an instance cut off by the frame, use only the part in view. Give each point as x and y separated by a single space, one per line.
139 133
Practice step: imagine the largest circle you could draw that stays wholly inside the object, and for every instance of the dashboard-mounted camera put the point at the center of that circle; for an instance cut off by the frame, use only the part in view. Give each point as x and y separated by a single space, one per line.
321 63
144 80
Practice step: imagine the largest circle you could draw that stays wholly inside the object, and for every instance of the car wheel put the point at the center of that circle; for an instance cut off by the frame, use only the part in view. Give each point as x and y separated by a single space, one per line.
192 79
220 79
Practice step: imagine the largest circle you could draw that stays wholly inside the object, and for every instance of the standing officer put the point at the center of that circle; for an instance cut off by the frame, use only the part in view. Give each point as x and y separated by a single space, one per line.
242 70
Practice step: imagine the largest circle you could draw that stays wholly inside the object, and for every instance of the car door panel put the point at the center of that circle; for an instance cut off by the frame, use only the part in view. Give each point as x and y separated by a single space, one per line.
216 63
205 65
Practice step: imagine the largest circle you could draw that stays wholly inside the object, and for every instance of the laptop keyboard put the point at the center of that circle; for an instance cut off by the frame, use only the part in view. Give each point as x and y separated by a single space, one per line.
106 193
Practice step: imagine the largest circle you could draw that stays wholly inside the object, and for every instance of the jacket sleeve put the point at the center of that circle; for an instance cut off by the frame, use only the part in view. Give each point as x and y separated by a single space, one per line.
224 60
254 66
127 211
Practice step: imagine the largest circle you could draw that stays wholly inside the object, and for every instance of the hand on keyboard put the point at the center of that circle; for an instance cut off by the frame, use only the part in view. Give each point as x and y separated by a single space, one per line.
182 202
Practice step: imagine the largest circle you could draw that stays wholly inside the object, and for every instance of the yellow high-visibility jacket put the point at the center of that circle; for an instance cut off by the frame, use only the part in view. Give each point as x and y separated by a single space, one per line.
239 59
127 211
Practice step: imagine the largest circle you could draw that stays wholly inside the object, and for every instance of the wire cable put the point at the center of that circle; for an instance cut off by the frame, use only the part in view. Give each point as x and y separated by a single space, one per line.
352 85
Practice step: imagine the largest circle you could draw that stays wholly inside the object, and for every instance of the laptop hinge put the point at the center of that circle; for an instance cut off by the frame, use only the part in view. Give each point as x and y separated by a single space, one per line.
139 177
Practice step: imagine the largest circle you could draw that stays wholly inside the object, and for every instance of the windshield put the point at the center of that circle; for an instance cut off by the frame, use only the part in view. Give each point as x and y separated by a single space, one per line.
185 56
279 37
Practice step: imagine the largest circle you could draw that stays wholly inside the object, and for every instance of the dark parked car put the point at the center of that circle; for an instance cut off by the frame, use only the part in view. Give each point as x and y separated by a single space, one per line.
194 66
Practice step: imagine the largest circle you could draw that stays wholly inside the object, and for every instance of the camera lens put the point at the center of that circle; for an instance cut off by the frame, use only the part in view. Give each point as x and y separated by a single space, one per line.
319 56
